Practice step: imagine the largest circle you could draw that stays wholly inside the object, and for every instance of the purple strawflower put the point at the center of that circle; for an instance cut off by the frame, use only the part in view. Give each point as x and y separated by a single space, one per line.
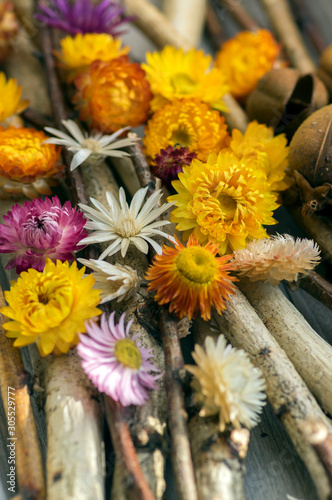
83 16
40 230
169 163
116 363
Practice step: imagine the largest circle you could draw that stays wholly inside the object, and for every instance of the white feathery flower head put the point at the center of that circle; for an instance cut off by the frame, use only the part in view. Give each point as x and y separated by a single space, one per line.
280 257
227 383
84 145
114 281
123 225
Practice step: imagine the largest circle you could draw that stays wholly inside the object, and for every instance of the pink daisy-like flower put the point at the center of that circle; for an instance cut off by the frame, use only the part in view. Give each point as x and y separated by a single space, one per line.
39 230
116 363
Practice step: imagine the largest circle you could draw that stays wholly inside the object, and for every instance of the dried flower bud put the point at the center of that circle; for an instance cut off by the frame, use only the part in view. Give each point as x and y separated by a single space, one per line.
267 102
168 164
8 28
310 156
324 70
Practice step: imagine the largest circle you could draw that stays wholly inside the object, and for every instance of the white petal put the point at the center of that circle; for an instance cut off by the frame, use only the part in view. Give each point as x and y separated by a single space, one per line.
114 154
112 249
79 158
140 244
137 201
73 129
63 142
157 248
57 133
124 246
107 139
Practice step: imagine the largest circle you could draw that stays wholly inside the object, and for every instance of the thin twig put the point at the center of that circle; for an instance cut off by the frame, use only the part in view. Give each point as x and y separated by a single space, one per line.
317 434
36 119
318 287
180 445
308 25
15 384
240 15
141 166
214 29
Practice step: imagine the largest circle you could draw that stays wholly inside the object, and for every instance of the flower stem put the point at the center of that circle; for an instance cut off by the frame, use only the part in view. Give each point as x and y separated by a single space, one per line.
36 119
141 166
308 24
318 435
318 287
240 15
14 378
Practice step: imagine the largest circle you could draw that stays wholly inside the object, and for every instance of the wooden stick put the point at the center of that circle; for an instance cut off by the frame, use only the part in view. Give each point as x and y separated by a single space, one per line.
281 19
175 373
187 17
288 395
214 29
317 286
141 166
15 385
240 15
309 353
36 119
317 434
308 24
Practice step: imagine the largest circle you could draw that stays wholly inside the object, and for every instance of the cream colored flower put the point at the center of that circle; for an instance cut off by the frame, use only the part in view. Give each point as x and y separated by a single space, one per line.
280 257
114 281
227 383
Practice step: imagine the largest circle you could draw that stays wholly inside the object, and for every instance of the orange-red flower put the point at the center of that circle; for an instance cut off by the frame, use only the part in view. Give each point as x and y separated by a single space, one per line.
113 94
191 279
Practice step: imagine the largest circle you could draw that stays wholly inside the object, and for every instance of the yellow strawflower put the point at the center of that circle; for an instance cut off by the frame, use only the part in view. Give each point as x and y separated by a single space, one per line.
10 99
50 307
175 74
225 201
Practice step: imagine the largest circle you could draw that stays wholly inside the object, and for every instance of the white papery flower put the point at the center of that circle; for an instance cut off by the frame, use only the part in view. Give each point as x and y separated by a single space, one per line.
124 225
114 281
84 145
227 383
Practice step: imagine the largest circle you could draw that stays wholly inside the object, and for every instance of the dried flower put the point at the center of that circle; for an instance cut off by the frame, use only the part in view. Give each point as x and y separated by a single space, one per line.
85 146
113 95
245 58
124 225
50 307
187 122
83 16
114 281
9 28
191 279
77 53
40 230
10 100
168 164
225 200
280 257
117 364
227 384
175 74
25 161
258 139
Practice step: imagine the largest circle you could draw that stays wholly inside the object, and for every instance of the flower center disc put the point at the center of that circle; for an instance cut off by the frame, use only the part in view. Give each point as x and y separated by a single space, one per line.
197 264
91 144
183 83
128 354
227 204
181 136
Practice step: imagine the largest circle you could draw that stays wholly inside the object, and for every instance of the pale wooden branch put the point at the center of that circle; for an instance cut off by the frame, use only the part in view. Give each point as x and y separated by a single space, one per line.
317 286
318 435
287 393
14 378
310 354
240 15
281 19
187 17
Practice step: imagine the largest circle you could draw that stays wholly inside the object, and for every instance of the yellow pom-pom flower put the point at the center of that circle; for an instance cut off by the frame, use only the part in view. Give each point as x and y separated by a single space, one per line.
225 201
245 58
175 74
191 279
10 100
258 139
188 122
50 307
77 53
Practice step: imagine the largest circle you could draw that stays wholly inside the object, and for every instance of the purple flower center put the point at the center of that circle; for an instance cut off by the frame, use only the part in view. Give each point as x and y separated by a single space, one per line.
41 230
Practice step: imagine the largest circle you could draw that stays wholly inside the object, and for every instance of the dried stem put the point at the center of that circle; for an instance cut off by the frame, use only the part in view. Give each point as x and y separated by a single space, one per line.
15 383
137 487
308 24
317 434
318 287
214 28
36 119
142 169
175 372
287 393
187 17
240 14
282 21
309 353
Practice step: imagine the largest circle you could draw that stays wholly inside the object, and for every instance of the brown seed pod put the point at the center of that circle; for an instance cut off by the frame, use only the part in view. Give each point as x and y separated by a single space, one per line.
310 160
267 102
9 27
324 70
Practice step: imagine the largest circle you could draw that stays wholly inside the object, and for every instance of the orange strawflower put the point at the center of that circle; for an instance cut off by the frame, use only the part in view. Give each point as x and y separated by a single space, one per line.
113 95
187 122
245 58
25 161
191 279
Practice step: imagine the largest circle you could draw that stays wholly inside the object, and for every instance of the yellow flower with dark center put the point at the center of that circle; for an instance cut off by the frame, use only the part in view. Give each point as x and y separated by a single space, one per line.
258 144
77 53
175 74
50 307
191 279
244 59
187 122
10 98
225 200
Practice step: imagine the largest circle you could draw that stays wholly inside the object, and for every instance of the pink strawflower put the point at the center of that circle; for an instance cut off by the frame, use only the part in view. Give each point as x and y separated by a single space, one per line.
39 230
169 163
116 363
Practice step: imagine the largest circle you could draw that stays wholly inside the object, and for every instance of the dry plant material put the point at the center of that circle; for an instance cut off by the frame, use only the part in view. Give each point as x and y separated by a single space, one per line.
23 438
287 393
318 287
214 29
318 435
324 70
308 24
187 17
240 14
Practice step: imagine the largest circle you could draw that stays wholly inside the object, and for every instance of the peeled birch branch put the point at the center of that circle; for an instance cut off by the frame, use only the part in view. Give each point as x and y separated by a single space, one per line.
187 17
310 354
286 391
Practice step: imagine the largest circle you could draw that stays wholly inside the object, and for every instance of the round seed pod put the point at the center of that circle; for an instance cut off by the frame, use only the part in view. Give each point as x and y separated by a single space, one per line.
310 160
267 102
324 70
